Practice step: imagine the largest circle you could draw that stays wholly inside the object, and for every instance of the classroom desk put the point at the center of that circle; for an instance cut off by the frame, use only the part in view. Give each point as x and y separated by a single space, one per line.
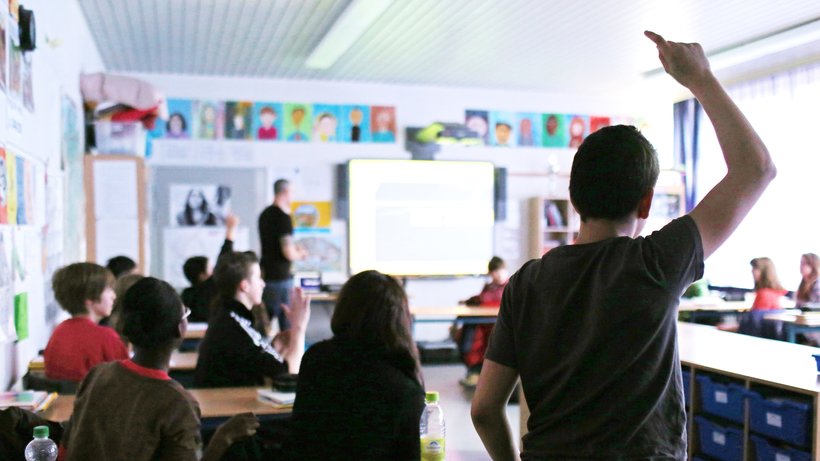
214 404
196 330
441 314
794 323
754 363
711 307
180 361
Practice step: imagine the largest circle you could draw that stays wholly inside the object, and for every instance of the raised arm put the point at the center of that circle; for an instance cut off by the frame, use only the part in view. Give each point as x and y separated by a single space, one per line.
750 168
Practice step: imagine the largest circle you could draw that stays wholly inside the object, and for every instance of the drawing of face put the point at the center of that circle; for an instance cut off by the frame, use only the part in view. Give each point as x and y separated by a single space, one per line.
238 121
526 126
552 125
208 114
383 121
478 124
297 115
502 133
327 125
576 128
267 116
356 117
176 124
2 182
196 199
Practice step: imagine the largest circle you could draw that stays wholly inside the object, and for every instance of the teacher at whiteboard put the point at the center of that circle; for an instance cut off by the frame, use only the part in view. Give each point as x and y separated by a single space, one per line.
278 252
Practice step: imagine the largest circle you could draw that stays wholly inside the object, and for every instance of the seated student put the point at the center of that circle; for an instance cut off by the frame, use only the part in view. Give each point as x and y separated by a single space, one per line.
86 291
233 353
768 290
132 409
472 339
809 290
202 293
360 394
121 265
120 287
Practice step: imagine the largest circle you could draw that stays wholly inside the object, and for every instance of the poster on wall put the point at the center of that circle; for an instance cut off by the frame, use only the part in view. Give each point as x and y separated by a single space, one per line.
4 188
181 243
208 119
267 121
7 329
311 215
325 123
578 129
326 251
178 125
15 64
194 205
478 121
74 194
555 132
527 126
238 119
502 129
354 125
383 123
296 125
3 53
28 82
11 188
596 123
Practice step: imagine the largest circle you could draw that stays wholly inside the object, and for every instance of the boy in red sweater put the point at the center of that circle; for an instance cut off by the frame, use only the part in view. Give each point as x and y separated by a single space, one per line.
86 291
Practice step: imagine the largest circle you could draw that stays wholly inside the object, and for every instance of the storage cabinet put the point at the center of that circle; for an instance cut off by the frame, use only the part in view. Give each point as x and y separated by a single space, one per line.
553 222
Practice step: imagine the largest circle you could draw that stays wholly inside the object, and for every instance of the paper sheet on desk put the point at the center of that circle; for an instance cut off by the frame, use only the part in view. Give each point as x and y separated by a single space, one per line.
276 398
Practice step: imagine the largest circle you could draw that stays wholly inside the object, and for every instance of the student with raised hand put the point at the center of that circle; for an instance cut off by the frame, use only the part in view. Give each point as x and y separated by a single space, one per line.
233 353
86 291
360 394
591 328
132 409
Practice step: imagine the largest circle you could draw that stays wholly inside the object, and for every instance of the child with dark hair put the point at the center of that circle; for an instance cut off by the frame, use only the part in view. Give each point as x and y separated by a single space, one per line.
202 293
121 265
472 338
371 364
86 291
233 353
132 409
591 328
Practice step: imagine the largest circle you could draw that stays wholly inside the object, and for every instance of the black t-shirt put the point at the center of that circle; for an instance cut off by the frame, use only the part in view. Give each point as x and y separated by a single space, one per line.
591 329
355 402
273 225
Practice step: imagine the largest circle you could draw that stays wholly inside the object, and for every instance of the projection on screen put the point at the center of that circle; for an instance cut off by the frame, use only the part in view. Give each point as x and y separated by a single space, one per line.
420 218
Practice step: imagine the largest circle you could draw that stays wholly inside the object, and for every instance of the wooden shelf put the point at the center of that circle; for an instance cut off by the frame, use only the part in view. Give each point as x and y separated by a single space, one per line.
553 222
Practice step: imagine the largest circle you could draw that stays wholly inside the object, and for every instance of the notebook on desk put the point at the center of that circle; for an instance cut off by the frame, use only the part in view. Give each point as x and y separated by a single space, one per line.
276 398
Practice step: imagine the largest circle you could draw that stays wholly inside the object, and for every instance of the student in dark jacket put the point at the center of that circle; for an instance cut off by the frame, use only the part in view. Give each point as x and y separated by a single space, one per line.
360 394
202 293
232 352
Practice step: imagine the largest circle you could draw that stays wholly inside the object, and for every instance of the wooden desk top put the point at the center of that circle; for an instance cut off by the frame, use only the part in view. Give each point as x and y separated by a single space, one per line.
196 330
453 311
776 363
214 403
713 304
811 319
180 361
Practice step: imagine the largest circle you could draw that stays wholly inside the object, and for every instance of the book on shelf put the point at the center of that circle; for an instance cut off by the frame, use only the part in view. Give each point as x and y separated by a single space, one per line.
27 400
553 214
276 398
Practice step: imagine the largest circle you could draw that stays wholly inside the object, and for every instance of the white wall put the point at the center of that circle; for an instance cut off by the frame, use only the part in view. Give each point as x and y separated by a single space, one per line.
416 106
56 69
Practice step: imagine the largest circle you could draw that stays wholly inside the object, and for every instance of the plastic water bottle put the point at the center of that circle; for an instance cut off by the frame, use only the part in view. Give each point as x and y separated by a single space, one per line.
41 448
431 429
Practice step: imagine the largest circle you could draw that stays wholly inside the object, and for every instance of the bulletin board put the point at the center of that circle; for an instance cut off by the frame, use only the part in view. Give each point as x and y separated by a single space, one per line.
115 208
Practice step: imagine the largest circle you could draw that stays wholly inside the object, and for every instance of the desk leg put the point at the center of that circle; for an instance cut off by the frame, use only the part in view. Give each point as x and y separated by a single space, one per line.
791 334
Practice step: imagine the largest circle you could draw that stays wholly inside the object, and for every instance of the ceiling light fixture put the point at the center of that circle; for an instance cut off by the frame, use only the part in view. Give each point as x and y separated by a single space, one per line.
759 47
352 23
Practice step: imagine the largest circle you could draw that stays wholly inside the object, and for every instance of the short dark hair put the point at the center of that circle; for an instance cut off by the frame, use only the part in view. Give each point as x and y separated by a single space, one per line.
77 283
231 269
372 311
181 119
495 264
151 312
280 185
613 169
119 265
267 110
194 267
509 127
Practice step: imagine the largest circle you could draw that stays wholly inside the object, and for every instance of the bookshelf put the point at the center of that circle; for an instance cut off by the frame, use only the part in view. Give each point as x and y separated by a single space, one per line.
553 222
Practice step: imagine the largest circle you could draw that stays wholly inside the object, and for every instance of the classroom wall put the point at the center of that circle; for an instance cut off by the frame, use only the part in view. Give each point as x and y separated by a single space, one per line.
64 50
416 106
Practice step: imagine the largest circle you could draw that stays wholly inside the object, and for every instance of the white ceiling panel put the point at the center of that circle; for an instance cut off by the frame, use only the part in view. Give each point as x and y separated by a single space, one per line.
554 45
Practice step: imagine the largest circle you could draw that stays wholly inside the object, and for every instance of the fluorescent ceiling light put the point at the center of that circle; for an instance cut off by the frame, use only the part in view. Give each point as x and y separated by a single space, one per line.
353 22
759 47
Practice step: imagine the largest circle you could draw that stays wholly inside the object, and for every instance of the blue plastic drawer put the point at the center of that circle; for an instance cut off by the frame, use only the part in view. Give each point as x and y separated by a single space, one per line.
687 393
723 443
765 451
783 419
724 400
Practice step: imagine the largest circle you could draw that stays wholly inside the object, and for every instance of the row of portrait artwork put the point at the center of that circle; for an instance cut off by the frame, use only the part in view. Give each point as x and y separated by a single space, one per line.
17 189
275 121
528 129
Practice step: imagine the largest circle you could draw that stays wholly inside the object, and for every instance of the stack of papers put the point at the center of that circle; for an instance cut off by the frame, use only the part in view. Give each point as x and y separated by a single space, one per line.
27 400
276 398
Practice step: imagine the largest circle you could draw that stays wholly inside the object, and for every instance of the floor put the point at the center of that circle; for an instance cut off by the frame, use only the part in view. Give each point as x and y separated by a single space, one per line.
462 442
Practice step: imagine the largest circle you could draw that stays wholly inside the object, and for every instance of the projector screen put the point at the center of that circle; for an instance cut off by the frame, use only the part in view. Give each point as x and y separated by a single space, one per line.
420 218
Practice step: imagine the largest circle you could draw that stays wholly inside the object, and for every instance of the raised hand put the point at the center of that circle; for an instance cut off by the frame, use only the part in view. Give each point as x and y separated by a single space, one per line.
685 62
298 313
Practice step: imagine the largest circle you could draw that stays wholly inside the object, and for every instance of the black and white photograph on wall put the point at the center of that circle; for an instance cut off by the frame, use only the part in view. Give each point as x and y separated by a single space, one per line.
199 204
